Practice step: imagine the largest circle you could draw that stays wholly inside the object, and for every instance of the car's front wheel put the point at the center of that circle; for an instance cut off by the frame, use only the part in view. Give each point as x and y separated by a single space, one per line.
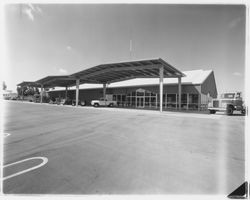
96 105
230 110
212 111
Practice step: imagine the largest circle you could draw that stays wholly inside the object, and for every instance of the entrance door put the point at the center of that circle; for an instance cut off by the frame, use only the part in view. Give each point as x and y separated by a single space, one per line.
140 102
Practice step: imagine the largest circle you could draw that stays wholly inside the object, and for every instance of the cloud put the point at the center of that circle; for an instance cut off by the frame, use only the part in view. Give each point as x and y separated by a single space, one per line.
31 10
62 71
237 74
39 10
28 12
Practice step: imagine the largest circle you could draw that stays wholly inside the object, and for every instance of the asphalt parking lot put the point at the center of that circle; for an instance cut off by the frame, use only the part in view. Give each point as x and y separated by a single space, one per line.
50 149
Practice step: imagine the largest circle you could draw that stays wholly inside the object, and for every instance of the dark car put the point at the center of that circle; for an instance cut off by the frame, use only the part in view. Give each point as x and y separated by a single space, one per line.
80 103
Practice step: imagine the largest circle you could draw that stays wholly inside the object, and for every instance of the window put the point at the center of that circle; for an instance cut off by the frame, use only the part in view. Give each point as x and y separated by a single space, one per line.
238 95
193 98
227 96
183 98
193 101
171 98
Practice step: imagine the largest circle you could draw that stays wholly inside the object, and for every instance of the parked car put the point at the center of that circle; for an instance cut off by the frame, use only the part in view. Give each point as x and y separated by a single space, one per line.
228 102
80 103
103 102
68 102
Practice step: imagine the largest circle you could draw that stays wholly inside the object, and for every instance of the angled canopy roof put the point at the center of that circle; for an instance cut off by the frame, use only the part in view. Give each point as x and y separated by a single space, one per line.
110 73
114 72
28 83
56 81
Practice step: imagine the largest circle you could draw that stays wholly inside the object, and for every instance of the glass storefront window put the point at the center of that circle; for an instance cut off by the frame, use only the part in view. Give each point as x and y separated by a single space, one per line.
139 98
171 98
184 98
193 101
123 97
144 98
193 98
140 94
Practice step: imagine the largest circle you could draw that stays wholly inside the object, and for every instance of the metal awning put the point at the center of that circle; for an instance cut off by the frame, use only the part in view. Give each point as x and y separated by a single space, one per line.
114 72
56 81
28 83
60 81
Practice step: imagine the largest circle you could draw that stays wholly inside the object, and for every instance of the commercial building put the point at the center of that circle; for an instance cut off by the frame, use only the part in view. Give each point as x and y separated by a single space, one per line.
150 83
198 87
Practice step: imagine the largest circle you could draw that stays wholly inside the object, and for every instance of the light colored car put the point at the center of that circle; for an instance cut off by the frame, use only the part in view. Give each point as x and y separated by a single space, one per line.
103 102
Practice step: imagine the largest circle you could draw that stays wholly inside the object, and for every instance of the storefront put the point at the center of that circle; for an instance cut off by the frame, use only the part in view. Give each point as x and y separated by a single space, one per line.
142 98
140 84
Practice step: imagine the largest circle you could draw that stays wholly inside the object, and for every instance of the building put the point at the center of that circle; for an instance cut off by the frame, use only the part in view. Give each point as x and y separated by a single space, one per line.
198 87
9 95
149 83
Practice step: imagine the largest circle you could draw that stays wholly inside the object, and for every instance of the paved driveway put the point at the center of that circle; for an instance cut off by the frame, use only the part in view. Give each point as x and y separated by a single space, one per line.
120 151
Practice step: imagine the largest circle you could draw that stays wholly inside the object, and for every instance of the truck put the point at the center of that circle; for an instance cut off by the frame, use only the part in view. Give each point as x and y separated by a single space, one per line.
107 101
227 102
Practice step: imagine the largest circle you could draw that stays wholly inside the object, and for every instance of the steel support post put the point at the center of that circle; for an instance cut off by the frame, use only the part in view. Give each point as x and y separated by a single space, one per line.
161 87
77 91
104 90
22 93
66 92
41 100
179 91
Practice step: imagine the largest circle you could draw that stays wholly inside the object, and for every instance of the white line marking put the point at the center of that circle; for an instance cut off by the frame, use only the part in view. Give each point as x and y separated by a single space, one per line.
6 134
44 159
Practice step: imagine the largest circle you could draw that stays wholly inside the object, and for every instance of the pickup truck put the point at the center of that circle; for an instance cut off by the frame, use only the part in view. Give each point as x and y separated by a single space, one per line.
103 102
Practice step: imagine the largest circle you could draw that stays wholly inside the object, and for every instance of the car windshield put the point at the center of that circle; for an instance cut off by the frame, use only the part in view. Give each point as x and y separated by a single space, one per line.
238 96
228 96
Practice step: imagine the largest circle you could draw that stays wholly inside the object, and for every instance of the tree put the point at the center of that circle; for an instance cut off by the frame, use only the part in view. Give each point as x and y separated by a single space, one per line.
37 90
4 86
27 90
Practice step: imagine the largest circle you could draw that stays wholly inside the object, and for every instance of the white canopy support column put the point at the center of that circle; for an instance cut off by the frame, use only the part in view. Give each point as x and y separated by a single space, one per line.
41 100
22 92
161 87
104 90
179 92
77 91
66 92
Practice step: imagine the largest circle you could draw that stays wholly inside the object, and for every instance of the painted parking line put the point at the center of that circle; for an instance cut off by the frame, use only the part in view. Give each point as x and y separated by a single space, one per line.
44 161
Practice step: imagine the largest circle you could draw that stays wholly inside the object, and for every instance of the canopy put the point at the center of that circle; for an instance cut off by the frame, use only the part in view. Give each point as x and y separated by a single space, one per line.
114 72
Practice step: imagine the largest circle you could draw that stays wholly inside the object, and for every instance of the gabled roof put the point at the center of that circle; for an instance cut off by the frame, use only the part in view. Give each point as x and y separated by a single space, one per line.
193 77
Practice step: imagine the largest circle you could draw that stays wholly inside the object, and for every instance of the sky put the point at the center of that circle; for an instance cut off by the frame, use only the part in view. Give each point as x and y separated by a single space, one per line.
59 39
